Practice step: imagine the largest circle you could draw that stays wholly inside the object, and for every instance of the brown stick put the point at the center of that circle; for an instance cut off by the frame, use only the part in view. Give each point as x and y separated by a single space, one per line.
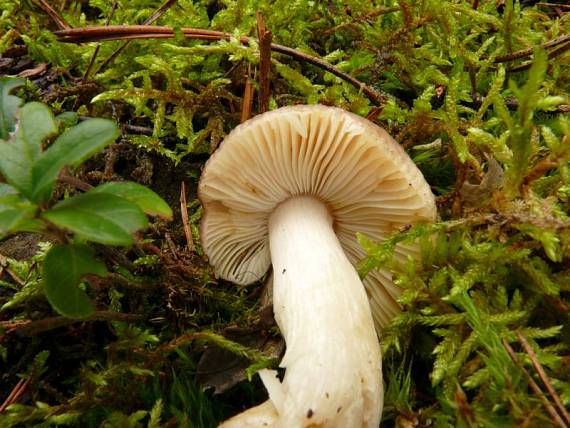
185 222
56 17
159 12
247 100
554 5
74 182
16 393
40 326
135 129
265 37
542 374
534 386
528 52
96 51
374 14
131 32
539 170
551 54
14 277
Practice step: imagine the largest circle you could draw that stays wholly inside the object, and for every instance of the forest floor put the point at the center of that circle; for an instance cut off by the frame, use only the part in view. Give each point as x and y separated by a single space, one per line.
478 93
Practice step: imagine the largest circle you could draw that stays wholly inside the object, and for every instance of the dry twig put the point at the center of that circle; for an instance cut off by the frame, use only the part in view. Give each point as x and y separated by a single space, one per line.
551 54
184 214
247 100
16 393
74 182
523 53
265 37
554 5
159 12
56 17
374 14
31 328
96 51
542 374
131 32
534 386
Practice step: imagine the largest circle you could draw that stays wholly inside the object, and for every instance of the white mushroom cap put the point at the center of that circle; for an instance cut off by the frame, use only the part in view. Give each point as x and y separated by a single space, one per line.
364 177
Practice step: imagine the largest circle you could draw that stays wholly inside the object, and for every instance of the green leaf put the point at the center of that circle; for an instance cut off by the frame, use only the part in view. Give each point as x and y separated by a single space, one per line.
64 266
72 148
6 189
8 105
12 218
9 219
521 133
99 217
148 201
14 210
155 413
67 118
18 154
297 80
548 238
36 124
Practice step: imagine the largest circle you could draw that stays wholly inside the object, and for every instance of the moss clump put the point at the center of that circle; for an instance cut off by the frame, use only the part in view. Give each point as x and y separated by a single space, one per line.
478 92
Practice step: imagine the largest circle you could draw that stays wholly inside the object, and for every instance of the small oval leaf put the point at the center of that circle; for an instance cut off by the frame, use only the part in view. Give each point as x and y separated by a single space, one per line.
148 201
64 267
8 105
70 149
23 148
99 217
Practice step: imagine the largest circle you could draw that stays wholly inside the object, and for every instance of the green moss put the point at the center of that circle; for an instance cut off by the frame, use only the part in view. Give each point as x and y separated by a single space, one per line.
490 138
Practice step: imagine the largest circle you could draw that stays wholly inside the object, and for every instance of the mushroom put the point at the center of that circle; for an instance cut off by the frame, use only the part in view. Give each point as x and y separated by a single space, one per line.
291 188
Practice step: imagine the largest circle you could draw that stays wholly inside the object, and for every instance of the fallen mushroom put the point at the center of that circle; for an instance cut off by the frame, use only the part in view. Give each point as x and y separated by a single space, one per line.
290 188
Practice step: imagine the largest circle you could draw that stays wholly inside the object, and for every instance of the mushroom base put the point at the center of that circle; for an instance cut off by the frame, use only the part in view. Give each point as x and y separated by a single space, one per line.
333 363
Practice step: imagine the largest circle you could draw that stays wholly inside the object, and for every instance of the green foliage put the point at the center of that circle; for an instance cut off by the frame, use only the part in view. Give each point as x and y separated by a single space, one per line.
489 270
9 105
98 217
469 295
94 135
64 266
490 137
109 215
148 201
28 284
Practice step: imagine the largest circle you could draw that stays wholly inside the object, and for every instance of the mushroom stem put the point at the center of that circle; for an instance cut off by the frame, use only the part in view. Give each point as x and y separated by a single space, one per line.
333 362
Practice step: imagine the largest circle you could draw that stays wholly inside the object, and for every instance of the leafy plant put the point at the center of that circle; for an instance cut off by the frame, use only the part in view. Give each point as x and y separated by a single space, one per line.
32 155
476 91
495 275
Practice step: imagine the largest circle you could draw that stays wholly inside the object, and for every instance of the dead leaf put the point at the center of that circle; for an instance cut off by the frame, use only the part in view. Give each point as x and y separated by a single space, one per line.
32 72
474 194
221 369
